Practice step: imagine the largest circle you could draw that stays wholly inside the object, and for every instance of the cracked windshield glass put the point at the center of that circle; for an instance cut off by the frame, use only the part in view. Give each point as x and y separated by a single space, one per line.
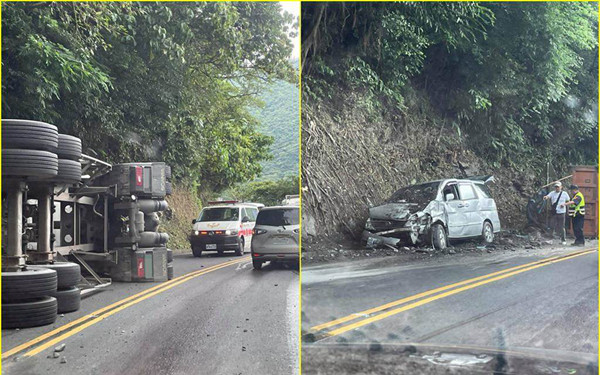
449 188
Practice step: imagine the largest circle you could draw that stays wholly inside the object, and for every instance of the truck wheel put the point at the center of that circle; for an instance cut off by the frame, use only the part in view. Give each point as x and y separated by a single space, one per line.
257 264
29 163
69 147
68 300
30 135
30 284
29 314
69 171
439 240
240 249
196 251
487 233
67 273
169 271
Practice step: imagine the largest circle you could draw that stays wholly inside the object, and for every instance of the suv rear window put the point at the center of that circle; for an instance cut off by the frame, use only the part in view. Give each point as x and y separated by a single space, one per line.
278 217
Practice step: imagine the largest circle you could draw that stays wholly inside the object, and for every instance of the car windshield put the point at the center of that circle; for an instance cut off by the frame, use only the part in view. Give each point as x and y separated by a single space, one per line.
278 217
422 193
220 214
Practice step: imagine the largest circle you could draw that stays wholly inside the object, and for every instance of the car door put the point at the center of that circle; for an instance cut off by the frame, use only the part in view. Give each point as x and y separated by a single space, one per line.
472 208
456 213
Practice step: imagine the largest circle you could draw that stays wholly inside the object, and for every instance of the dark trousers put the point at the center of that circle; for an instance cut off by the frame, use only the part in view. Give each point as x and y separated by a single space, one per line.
578 229
557 225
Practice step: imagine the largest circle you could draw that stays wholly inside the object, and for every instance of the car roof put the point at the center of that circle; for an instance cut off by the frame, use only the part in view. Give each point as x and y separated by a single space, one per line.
278 207
237 205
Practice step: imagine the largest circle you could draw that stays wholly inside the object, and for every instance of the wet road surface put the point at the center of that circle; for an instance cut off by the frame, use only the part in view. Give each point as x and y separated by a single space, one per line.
225 319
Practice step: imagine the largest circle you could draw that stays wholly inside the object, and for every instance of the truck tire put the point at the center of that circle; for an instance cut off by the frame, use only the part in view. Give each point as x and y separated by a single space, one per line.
29 135
68 300
29 163
197 251
69 147
240 249
30 284
30 313
169 255
169 271
439 239
68 274
257 264
69 171
487 233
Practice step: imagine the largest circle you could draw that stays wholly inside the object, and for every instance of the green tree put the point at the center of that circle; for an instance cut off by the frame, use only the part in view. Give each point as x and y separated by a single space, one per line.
150 81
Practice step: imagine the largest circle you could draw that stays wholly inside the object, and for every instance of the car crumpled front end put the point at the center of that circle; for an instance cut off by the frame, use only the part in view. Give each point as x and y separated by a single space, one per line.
400 223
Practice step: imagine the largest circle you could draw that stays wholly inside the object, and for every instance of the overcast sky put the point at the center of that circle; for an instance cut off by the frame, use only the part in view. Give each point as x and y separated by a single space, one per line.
293 7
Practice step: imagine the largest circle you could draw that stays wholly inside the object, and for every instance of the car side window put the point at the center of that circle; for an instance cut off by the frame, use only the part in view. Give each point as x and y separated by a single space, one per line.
253 214
245 213
451 189
466 191
482 190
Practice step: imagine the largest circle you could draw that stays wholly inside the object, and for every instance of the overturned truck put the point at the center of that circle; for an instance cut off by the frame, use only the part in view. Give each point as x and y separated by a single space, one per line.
72 224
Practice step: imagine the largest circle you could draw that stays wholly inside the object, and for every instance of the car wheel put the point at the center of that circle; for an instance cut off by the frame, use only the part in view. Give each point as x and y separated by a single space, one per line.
30 135
29 284
68 274
257 264
439 240
196 251
240 250
69 147
30 313
487 233
68 300
29 163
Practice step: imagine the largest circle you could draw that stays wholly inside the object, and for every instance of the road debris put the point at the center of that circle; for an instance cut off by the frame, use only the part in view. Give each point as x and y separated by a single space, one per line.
60 348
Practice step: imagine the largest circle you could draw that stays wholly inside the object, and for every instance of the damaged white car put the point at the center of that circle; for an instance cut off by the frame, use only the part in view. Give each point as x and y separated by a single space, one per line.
434 212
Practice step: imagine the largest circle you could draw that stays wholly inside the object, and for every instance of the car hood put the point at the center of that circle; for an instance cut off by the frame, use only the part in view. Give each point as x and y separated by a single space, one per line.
216 225
394 211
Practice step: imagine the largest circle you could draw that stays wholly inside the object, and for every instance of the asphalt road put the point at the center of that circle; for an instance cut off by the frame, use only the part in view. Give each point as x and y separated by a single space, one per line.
229 320
546 307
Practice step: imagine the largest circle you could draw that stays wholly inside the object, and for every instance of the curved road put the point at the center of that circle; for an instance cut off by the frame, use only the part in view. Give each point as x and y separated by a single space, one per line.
534 301
228 320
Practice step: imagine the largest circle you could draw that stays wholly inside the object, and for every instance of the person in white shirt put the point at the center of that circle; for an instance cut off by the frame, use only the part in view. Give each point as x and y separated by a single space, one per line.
557 198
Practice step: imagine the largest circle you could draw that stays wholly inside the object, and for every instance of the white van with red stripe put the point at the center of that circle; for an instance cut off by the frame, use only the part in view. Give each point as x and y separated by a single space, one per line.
224 226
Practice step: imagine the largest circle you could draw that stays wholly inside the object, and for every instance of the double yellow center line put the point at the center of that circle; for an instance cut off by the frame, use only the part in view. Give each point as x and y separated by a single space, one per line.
80 324
384 311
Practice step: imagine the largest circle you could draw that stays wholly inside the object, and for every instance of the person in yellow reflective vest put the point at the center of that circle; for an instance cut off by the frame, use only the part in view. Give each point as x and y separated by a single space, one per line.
577 214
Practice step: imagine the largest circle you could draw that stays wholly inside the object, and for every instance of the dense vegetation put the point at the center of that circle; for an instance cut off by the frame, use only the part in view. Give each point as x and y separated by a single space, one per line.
406 92
269 192
150 81
279 119
524 73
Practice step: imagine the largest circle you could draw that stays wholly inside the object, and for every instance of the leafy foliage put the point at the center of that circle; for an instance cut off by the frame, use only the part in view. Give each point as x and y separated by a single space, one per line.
150 81
270 193
525 73
279 119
